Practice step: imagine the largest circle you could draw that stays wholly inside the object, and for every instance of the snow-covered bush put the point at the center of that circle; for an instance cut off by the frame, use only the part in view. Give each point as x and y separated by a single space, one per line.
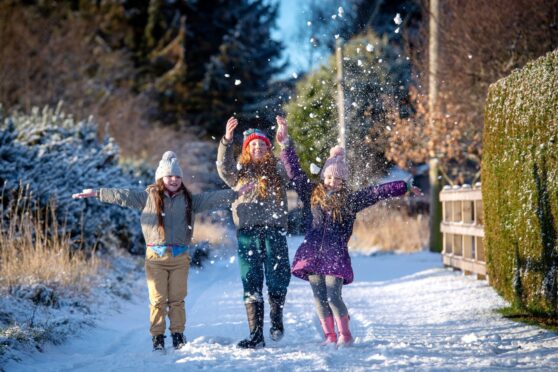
56 156
520 183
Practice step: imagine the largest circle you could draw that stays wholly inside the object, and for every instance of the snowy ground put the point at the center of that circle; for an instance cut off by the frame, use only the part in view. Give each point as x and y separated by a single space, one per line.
407 313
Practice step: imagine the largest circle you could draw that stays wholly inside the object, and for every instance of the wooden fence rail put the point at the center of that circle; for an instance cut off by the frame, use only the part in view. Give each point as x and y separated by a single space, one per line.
462 229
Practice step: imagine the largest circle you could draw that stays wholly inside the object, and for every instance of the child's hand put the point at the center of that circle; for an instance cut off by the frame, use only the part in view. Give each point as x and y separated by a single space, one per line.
86 193
415 191
246 188
231 124
282 131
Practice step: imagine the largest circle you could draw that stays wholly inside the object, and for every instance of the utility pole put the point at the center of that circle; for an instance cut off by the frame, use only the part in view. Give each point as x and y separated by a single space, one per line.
436 240
340 94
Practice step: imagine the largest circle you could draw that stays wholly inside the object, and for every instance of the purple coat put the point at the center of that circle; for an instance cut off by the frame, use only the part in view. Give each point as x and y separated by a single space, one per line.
324 250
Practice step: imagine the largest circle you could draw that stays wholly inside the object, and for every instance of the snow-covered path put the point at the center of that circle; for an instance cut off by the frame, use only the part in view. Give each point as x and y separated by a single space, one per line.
407 313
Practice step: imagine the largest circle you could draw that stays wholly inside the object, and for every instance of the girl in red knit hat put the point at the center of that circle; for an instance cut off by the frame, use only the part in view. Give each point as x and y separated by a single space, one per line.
261 220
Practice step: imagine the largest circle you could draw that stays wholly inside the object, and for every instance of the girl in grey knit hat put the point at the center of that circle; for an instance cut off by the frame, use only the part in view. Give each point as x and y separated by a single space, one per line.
167 224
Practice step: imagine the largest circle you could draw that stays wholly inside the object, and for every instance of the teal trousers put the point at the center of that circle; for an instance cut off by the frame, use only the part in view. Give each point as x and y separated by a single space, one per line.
263 253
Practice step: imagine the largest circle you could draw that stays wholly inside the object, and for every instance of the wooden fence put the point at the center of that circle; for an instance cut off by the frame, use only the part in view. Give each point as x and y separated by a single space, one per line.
462 229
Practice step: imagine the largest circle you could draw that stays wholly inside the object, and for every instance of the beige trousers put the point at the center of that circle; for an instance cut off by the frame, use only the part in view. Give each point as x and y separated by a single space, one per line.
167 282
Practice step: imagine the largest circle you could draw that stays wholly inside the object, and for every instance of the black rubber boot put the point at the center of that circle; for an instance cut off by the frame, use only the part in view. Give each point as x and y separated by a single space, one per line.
178 340
255 313
276 304
158 342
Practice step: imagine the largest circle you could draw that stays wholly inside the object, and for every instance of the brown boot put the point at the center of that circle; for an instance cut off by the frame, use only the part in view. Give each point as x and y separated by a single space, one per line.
255 313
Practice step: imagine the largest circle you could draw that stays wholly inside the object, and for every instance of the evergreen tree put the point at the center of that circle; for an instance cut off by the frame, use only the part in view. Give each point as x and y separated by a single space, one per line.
375 76
200 61
237 77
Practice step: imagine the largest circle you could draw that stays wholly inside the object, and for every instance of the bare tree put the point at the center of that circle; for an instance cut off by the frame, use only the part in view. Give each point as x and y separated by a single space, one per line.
481 41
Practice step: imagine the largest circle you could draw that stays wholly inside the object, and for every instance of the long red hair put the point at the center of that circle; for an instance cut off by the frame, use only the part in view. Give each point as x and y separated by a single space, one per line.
335 203
264 171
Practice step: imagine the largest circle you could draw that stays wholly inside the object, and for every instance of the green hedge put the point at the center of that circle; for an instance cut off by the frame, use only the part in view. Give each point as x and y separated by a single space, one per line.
520 185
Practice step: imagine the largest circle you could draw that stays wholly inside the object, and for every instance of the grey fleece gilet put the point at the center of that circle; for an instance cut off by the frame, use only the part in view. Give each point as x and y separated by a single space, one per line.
174 219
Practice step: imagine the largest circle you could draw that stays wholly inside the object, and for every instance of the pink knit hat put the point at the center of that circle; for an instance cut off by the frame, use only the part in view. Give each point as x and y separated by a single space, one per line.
335 164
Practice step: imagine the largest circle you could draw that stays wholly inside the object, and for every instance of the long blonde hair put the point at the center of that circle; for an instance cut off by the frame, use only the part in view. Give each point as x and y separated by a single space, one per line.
157 192
336 203
264 170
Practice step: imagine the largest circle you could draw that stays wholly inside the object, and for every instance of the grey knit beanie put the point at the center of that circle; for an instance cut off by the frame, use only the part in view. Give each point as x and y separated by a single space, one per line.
168 166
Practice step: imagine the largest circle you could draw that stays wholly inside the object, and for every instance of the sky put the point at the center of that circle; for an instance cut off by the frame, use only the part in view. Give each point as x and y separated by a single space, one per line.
291 18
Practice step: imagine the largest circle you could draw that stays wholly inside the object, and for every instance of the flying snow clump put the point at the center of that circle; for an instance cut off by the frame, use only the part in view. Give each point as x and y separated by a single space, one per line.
314 169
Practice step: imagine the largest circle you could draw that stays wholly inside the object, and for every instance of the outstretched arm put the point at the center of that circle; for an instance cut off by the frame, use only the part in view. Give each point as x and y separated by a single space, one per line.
221 199
290 160
370 195
124 197
226 166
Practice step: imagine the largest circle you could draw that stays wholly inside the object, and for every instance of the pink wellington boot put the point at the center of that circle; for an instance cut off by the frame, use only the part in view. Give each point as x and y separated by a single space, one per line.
345 337
328 325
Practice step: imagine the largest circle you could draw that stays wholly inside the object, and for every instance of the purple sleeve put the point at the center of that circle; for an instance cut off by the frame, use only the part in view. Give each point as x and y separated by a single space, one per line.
290 161
370 195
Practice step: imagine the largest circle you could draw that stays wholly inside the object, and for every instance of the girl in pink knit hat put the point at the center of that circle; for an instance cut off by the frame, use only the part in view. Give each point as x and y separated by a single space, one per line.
330 208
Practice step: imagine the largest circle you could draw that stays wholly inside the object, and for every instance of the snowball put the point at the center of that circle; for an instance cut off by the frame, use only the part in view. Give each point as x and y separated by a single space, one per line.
397 19
295 75
369 48
314 169
469 338
237 82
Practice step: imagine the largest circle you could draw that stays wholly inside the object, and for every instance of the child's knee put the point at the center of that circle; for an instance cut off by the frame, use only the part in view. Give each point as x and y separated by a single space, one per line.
251 297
